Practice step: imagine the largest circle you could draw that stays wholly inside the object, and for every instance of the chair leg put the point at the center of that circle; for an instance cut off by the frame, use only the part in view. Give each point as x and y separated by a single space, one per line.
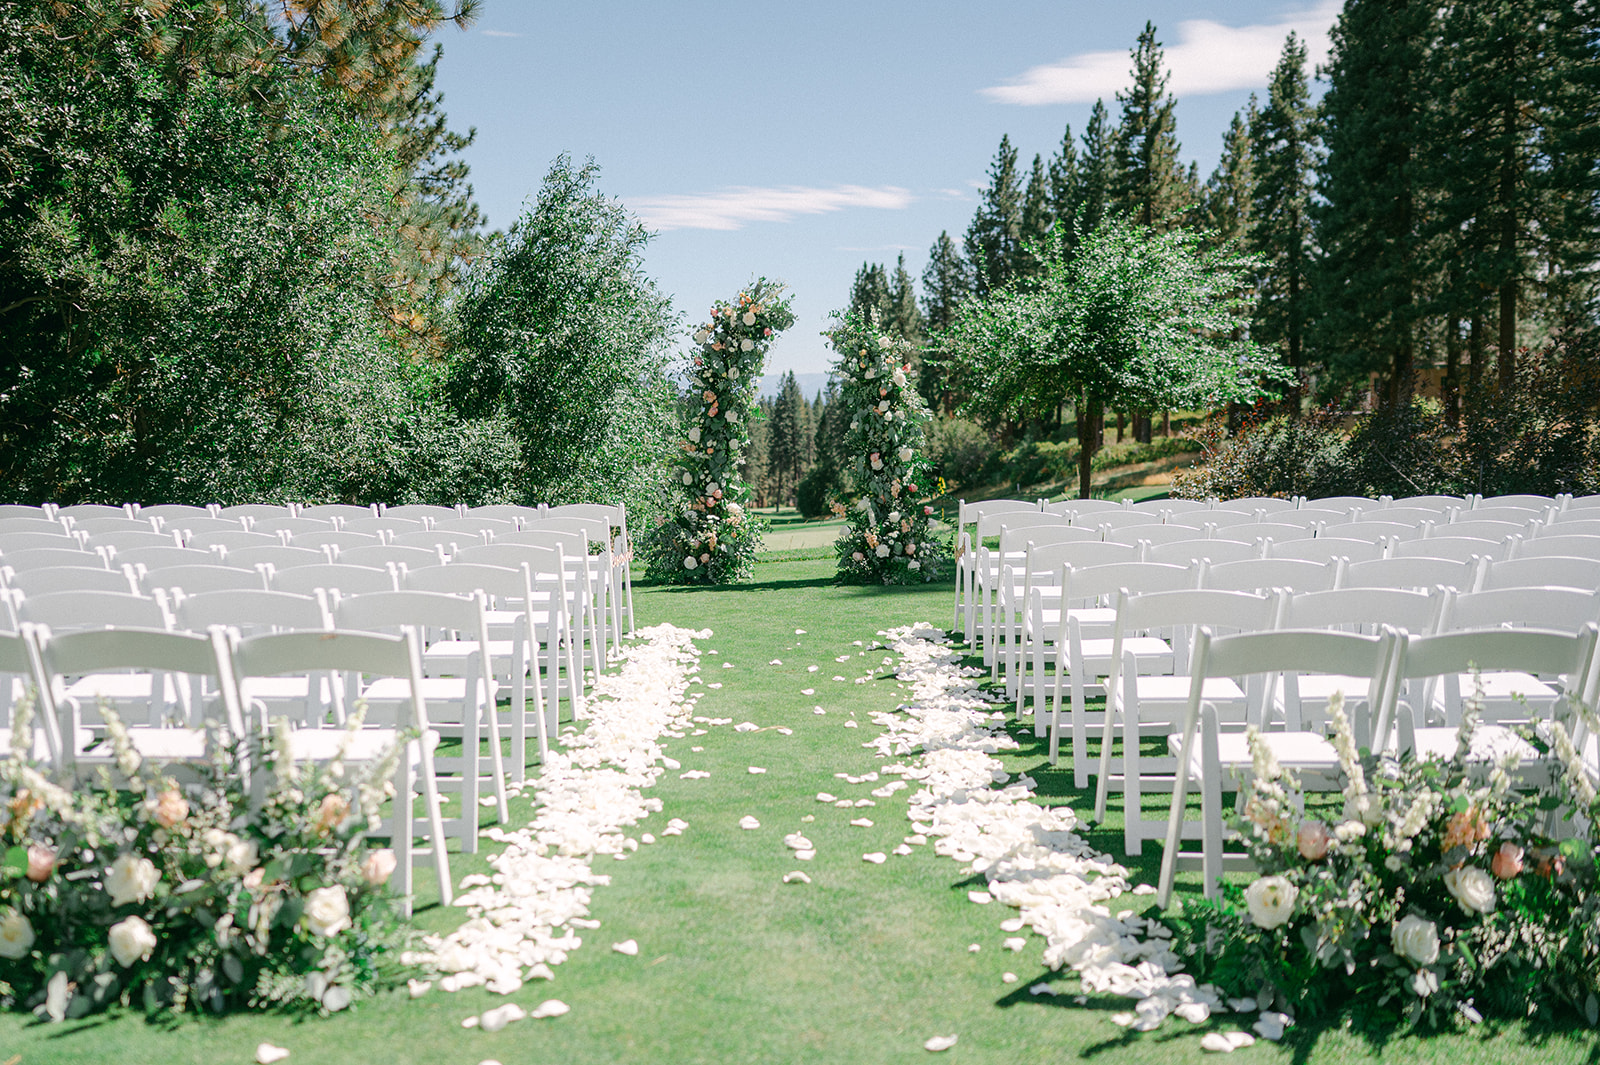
1132 790
1210 802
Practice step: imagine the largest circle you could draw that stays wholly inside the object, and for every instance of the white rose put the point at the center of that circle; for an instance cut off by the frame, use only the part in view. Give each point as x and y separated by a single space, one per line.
711 486
694 435
131 879
749 318
883 551
870 374
913 564
735 511
16 935
733 372
905 454
894 515
688 479
131 941
243 856
900 378
690 562
1472 888
883 404
746 344
702 336
327 911
1270 901
1416 939
854 424
732 416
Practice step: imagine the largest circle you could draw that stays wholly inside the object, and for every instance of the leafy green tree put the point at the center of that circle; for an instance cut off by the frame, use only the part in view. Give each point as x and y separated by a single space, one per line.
994 236
1148 181
1372 274
564 335
1228 202
1134 318
1283 152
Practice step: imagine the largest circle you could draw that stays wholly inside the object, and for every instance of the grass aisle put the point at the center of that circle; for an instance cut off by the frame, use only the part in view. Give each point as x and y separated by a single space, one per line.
734 966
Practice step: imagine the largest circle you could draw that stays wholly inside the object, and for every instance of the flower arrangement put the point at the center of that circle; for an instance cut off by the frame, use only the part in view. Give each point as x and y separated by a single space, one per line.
165 896
1428 891
888 540
707 536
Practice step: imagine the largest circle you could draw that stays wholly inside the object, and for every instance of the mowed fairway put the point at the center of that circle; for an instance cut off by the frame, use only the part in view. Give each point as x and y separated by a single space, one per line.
862 965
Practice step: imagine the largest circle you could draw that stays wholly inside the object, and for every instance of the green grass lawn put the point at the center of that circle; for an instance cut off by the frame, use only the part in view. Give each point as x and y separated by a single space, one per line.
862 965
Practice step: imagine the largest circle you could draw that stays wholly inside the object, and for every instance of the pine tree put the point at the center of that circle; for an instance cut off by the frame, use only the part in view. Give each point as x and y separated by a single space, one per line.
905 319
993 237
1065 182
1097 168
1037 219
869 294
1372 274
788 443
1229 197
946 284
1283 149
1148 181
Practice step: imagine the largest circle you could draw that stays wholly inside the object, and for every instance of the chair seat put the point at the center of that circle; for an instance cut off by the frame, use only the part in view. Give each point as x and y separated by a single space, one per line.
366 744
158 744
1176 690
1293 750
1505 685
1320 687
113 687
437 692
1150 651
1490 743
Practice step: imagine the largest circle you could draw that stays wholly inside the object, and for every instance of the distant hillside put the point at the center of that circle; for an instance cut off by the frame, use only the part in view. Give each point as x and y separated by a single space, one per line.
810 383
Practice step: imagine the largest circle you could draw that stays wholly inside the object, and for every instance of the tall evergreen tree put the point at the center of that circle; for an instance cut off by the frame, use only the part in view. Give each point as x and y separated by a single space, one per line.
1371 275
905 319
869 294
1065 182
1149 182
789 443
1097 168
1283 149
1037 219
946 284
1228 203
994 235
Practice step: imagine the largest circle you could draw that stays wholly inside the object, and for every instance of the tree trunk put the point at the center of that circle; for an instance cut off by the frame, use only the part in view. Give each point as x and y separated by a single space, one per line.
1474 353
1452 371
1509 175
1166 423
1122 421
1091 414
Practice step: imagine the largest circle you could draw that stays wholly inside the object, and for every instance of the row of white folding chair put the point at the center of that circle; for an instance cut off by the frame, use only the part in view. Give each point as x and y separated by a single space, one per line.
1216 761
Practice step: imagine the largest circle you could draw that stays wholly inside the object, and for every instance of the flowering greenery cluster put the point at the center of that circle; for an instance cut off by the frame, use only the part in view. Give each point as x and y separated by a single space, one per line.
887 540
1428 892
133 888
707 536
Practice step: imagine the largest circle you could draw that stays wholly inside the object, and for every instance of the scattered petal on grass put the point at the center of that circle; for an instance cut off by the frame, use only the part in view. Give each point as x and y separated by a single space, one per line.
982 898
851 724
795 841
940 1042
541 971
629 947
550 1007
418 988
497 1018
727 665
646 838
842 658
1193 1012
808 691
901 850
266 1053
845 804
466 1022
784 730
755 770
749 823
776 662
917 840
1008 978
694 774
675 827
1148 889
806 855
715 684
862 822
973 948
1015 943
865 802
796 877
823 796
818 710
1226 1042
489 1061
799 632
1041 989
811 669
808 818
1012 924
876 857
747 726
838 678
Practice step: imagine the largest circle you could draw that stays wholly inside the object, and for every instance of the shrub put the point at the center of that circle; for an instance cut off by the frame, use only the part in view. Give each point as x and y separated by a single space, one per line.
819 490
960 450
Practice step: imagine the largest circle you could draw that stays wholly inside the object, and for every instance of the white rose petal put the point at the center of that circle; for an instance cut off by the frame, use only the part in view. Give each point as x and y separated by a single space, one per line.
266 1053
796 877
552 1007
749 823
940 1042
629 947
875 857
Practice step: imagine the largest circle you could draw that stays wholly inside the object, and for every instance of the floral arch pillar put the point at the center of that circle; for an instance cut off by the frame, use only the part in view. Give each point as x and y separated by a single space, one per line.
706 535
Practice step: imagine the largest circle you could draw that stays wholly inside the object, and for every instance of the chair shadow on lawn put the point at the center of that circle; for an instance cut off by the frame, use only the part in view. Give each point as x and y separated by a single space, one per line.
788 585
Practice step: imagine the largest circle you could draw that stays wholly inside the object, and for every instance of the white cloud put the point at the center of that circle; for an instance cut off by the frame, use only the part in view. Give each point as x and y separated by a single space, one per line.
1208 58
736 207
500 33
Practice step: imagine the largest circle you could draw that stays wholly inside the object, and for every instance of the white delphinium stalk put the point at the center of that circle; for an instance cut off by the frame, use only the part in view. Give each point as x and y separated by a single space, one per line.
283 766
1471 711
128 759
22 728
1583 792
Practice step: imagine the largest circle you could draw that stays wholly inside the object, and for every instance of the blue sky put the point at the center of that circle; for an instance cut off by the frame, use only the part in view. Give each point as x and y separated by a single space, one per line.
797 140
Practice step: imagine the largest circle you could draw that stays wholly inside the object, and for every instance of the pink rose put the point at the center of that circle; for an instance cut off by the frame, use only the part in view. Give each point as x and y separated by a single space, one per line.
1507 861
1313 841
170 808
41 863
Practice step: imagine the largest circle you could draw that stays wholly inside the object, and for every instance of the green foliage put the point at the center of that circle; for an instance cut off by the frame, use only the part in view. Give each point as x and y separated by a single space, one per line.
820 489
960 450
993 242
888 540
563 336
1148 183
1132 318
1282 153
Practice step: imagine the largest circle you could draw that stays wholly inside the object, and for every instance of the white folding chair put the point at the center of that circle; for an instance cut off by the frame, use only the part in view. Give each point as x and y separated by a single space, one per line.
459 706
385 555
21 561
254 613
616 519
366 655
193 580
1373 530
984 518
1276 531
1185 552
323 539
1553 571
1214 760
1225 518
1541 547
1142 701
1325 549
335 577
1415 573
135 696
1259 574
227 539
70 579
292 526
1034 571
279 558
419 512
1074 508
338 511
19 680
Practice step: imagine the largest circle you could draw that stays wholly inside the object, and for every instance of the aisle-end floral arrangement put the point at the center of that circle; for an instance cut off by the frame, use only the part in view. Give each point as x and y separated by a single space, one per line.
1433 896
709 536
888 540
132 888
